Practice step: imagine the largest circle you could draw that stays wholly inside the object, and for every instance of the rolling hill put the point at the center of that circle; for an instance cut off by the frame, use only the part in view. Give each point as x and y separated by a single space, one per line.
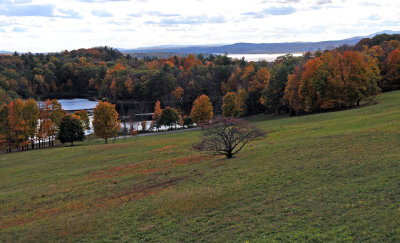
323 177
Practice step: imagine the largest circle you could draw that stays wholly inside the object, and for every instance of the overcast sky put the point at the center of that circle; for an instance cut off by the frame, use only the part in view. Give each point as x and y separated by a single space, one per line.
56 25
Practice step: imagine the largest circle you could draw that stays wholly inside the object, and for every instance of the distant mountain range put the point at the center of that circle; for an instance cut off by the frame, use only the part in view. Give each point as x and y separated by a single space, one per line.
241 48
251 48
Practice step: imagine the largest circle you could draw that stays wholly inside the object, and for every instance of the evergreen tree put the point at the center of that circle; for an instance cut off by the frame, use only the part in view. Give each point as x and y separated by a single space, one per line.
71 129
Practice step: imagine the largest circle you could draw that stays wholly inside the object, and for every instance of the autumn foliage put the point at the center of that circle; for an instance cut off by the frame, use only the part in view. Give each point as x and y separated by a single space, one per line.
392 78
105 120
230 106
19 124
84 118
157 113
202 109
333 80
321 81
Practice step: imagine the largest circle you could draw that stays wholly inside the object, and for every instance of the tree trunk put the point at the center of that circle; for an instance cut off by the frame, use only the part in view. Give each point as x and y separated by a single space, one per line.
106 140
229 154
72 143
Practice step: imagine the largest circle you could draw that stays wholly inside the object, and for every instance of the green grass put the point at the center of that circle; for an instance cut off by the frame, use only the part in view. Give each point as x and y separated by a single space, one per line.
324 177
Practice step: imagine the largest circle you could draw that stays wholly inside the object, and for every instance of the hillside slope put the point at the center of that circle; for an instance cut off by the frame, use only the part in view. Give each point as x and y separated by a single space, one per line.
331 176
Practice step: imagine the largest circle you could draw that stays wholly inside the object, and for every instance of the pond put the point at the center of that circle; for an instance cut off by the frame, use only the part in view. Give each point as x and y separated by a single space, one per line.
77 104
71 105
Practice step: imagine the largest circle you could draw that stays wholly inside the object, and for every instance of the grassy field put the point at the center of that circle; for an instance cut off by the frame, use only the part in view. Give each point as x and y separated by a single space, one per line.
324 177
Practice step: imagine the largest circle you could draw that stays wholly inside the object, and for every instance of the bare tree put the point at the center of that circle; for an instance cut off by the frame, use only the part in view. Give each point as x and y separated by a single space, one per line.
228 136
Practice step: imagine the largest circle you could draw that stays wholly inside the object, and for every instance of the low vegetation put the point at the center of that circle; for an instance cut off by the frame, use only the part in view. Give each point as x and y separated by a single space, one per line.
323 177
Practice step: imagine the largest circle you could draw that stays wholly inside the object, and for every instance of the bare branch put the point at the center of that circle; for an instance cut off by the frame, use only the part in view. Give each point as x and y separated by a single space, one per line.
228 136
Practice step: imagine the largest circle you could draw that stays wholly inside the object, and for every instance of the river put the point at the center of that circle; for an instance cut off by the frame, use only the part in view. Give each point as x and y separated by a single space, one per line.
260 57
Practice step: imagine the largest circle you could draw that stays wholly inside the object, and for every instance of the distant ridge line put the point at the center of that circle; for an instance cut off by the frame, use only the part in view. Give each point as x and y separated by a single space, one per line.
255 48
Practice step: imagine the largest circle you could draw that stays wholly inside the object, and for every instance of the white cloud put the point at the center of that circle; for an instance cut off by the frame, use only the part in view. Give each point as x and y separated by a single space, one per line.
48 25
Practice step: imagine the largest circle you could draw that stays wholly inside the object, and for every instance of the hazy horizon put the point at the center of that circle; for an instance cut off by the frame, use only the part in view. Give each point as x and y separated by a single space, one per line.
54 26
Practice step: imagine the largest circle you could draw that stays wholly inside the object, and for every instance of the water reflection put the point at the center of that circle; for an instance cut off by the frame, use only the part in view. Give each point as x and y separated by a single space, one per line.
71 105
77 104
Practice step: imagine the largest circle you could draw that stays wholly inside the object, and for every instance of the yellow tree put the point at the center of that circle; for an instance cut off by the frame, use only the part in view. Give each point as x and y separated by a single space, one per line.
21 129
202 109
230 106
31 116
57 112
46 124
105 120
242 96
83 116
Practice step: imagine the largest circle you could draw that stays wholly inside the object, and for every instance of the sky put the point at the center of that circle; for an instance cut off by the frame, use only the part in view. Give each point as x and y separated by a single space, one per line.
57 25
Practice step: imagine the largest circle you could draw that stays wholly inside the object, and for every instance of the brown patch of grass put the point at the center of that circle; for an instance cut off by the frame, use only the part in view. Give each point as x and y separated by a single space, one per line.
116 199
165 148
118 171
109 146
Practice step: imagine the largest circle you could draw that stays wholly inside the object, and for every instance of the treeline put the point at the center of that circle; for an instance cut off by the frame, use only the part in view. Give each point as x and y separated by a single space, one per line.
25 124
320 81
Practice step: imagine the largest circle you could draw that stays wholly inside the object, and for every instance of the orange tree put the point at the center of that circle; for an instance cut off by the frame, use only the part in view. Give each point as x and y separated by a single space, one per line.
202 109
157 114
105 120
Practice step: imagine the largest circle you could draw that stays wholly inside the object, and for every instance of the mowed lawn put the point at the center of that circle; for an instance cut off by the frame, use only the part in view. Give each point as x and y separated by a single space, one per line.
324 177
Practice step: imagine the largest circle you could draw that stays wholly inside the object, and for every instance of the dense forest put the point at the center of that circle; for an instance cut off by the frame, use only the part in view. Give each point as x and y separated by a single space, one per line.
320 81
